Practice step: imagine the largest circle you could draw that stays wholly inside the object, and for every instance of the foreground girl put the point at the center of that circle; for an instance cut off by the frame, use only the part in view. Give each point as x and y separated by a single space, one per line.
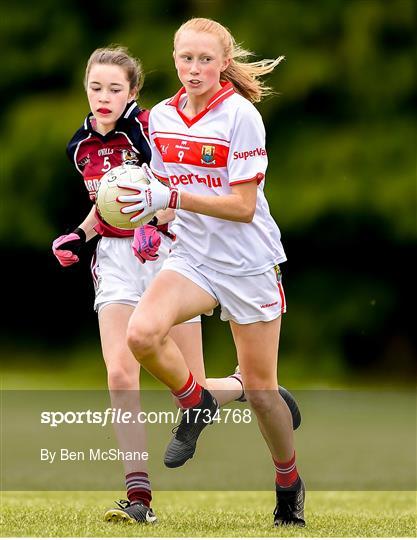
208 141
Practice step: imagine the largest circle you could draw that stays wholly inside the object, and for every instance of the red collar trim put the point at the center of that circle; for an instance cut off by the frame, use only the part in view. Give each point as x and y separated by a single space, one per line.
226 91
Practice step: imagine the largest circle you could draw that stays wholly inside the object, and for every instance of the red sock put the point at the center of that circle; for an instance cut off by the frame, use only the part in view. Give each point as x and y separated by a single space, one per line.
138 488
190 394
286 472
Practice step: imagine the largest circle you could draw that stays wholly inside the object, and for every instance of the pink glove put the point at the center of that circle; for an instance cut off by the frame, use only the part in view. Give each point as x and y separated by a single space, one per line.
146 241
66 247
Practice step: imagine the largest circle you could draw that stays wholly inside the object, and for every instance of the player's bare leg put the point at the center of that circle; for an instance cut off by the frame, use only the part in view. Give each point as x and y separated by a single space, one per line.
274 419
123 378
177 299
259 374
123 382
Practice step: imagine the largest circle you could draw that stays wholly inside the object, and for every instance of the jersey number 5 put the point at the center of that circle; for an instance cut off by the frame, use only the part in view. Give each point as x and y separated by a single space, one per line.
106 164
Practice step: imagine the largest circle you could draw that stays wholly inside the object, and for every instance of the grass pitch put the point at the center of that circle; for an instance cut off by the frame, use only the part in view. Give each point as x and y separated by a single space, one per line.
210 514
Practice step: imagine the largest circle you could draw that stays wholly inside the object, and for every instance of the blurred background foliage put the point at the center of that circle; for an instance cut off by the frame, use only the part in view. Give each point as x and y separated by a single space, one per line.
341 181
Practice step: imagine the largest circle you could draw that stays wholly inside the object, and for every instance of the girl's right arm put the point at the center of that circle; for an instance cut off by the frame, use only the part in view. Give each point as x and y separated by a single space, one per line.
66 248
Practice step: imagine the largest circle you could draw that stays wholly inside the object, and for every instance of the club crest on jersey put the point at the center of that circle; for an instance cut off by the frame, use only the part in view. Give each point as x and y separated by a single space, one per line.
129 157
207 154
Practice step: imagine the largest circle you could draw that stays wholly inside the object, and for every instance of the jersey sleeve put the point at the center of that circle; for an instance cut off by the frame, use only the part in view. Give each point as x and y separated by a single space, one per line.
143 119
72 147
247 158
157 163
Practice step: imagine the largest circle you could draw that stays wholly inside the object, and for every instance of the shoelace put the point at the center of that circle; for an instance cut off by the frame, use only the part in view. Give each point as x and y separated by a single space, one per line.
181 431
123 503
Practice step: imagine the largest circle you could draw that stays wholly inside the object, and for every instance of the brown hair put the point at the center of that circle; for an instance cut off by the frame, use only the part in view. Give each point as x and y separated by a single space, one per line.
118 56
242 74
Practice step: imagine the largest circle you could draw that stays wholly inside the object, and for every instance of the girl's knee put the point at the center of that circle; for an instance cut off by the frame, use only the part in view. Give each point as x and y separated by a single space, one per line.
262 401
120 378
143 338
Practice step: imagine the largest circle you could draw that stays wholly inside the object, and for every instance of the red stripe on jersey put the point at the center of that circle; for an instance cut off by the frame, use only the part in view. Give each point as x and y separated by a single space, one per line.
258 177
188 136
192 152
226 92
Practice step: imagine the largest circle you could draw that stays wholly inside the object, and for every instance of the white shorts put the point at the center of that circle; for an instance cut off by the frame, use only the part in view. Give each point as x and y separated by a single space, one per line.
118 276
243 299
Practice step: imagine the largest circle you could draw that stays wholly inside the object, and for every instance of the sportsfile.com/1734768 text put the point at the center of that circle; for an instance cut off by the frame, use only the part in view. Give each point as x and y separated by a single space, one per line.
118 416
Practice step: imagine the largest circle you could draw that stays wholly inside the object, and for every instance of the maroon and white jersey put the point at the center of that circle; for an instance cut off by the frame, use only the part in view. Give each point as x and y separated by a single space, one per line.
222 146
94 154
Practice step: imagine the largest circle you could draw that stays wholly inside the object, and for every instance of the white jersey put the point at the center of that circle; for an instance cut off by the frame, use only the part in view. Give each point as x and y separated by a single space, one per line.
222 146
